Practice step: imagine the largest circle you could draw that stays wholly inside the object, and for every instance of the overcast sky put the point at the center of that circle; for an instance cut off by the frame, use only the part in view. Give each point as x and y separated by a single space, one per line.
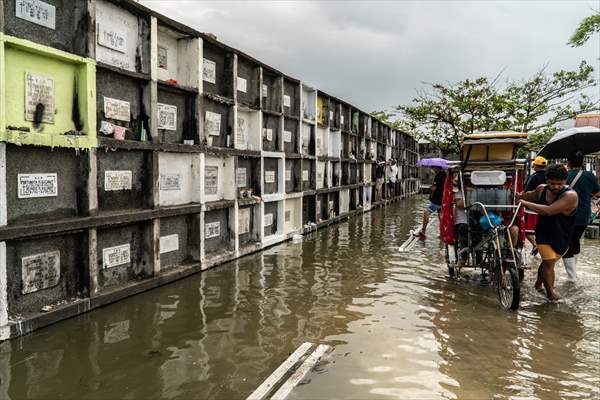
376 54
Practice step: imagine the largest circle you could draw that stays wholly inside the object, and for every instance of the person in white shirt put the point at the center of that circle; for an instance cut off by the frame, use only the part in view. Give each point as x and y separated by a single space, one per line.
392 174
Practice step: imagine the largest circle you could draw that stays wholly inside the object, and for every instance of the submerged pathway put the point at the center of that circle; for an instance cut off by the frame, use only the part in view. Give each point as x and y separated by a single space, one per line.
398 326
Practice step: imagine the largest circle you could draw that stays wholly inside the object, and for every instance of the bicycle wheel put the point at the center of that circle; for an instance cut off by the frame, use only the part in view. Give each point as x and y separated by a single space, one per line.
509 288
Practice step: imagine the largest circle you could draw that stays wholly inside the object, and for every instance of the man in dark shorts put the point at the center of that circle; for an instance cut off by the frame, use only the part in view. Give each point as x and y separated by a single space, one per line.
586 186
536 179
435 199
556 204
379 174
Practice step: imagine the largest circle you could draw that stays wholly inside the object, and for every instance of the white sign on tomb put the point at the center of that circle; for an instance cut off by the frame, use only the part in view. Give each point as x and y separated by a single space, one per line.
211 179
117 180
36 11
117 109
39 90
40 271
167 117
37 185
212 230
115 256
169 243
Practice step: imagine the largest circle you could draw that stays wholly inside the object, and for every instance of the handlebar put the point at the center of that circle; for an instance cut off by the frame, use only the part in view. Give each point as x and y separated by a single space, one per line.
484 208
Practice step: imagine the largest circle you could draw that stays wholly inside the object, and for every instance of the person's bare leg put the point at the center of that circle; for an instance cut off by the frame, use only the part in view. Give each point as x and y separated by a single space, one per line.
539 282
548 278
531 239
426 215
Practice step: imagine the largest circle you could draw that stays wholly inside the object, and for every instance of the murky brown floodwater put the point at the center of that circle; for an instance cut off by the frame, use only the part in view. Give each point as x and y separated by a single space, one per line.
399 327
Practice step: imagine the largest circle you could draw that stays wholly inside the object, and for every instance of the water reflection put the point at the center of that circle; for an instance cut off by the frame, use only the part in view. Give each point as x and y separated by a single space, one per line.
400 329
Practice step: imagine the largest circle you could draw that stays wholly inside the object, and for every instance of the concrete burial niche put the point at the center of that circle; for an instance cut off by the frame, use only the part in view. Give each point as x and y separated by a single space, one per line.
177 57
344 199
367 171
124 180
322 143
217 71
381 150
329 175
345 118
291 139
360 171
272 175
309 103
271 133
321 174
345 145
44 271
309 175
361 150
322 111
345 173
218 123
123 254
46 96
353 179
335 142
353 200
292 215
120 102
336 170
291 98
219 180
179 241
271 218
179 178
367 192
334 114
248 226
363 125
360 197
176 119
353 146
248 177
122 36
271 90
248 82
308 139
322 207
293 175
63 24
334 204
309 210
248 130
355 121
43 184
218 233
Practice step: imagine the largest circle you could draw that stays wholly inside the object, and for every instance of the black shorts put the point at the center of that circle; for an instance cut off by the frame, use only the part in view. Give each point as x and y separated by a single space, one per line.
574 245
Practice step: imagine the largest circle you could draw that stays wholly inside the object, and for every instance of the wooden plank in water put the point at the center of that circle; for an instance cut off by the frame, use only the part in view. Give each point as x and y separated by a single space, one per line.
300 373
264 389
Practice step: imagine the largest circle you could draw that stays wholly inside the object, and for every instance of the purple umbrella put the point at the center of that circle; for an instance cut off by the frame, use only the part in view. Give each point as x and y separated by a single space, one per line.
433 162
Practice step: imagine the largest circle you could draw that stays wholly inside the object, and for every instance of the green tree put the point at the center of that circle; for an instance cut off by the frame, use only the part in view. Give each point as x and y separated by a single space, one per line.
587 27
444 113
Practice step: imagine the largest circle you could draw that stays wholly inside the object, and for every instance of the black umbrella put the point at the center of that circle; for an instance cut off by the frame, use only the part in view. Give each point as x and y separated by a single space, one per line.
585 139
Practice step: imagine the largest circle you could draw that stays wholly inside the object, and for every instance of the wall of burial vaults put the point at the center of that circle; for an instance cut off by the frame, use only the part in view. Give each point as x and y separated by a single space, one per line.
135 150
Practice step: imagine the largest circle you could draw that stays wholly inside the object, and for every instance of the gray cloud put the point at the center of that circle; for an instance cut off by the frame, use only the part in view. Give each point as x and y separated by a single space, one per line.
376 54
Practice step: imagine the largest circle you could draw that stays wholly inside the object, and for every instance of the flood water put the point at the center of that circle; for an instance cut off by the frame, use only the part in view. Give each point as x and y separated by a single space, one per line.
398 326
